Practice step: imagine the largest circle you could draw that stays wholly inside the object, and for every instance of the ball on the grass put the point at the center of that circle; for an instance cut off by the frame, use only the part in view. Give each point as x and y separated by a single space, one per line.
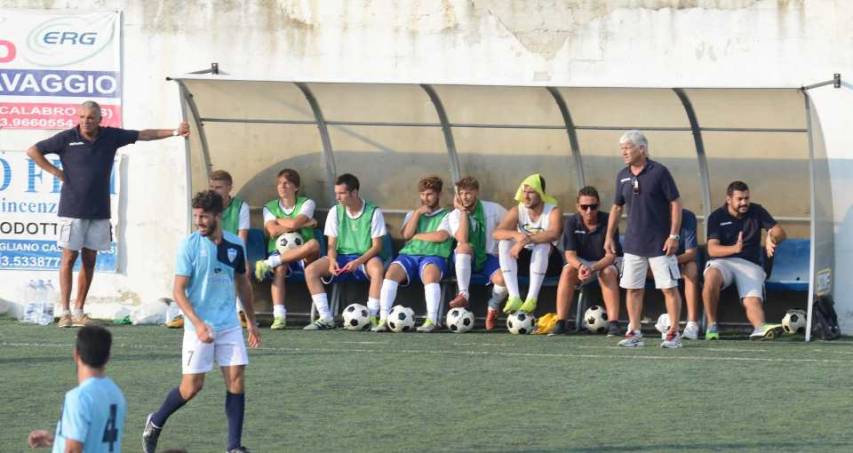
595 319
356 317
401 319
288 241
520 323
794 322
459 320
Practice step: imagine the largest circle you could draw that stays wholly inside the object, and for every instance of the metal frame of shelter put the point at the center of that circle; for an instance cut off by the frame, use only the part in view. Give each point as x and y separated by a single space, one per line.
571 128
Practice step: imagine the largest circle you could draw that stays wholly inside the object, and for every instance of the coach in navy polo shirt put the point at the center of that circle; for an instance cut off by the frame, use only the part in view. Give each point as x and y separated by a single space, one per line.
586 258
651 238
734 245
87 152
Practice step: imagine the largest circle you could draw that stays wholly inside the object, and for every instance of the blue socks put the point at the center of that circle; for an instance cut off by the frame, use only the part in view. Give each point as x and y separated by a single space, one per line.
174 401
235 404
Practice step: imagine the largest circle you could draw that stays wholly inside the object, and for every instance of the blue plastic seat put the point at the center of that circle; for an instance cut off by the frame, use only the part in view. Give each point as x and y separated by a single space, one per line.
790 266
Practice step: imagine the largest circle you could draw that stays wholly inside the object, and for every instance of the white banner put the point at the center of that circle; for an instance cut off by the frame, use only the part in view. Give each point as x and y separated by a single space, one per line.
29 203
51 61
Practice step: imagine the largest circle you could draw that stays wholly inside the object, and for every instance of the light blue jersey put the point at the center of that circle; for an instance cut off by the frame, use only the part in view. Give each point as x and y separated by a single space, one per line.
211 269
93 413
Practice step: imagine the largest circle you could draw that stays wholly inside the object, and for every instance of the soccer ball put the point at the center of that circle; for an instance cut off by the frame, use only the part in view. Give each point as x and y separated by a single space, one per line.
520 323
662 325
460 320
288 241
401 319
794 322
595 319
356 317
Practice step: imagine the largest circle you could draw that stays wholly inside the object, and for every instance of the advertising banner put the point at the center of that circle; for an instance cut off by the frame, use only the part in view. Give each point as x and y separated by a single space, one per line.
51 61
29 225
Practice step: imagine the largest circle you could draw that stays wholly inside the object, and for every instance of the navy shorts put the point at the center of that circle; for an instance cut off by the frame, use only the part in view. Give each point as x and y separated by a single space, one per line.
293 266
359 275
489 267
413 266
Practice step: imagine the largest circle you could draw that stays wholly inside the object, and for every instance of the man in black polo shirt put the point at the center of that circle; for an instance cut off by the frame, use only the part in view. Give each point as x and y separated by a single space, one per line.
87 152
583 241
651 238
734 245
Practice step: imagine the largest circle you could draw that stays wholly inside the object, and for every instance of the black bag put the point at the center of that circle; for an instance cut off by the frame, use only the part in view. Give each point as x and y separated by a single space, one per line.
824 319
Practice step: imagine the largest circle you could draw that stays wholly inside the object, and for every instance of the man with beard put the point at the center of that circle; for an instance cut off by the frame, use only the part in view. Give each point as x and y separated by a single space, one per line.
527 238
424 257
210 264
734 245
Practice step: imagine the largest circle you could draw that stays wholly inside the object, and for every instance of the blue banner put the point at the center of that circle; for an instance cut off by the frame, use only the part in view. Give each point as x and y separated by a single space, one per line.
42 255
54 82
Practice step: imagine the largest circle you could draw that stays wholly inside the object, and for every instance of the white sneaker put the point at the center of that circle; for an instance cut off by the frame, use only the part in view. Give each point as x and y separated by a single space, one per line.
633 339
672 341
691 331
321 324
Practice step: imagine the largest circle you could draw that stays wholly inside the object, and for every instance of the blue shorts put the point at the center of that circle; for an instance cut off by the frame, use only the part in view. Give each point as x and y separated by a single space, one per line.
359 275
293 266
413 266
489 267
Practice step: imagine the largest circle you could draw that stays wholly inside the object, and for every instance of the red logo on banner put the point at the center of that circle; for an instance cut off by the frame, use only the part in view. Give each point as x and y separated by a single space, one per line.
7 51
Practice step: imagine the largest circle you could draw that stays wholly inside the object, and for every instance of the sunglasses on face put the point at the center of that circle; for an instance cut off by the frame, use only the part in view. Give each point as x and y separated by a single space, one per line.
589 207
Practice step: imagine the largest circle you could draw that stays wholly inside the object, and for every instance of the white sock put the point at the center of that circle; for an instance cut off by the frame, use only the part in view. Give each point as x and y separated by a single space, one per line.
77 312
321 302
498 297
462 263
538 266
274 261
509 267
386 297
62 312
278 311
432 294
373 306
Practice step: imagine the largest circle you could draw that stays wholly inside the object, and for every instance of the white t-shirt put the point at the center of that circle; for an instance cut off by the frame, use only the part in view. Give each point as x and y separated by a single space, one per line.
244 223
307 210
527 225
493 213
377 226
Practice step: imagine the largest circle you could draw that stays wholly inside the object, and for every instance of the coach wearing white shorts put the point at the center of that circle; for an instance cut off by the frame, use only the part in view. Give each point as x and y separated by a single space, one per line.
734 244
86 152
651 237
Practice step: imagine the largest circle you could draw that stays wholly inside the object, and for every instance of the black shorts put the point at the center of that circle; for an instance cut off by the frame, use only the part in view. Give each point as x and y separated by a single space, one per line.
555 263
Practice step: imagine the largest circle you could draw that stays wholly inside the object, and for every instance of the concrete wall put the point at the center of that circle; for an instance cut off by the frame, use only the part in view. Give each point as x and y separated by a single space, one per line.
638 43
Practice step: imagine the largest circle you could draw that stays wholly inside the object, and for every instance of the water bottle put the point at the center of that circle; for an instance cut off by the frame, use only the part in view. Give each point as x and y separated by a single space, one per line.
49 299
29 302
38 311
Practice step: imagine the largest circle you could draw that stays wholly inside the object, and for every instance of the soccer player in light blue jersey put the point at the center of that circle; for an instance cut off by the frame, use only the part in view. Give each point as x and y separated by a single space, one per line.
211 264
92 418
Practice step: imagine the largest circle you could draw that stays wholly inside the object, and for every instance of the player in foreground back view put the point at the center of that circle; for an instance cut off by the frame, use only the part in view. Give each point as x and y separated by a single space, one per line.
92 418
210 264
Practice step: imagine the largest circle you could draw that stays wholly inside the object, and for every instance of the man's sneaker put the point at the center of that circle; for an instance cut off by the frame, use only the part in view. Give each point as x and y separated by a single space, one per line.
767 332
672 341
381 326
278 323
321 324
150 435
633 339
82 321
262 269
491 318
460 301
529 305
427 327
238 450
691 331
712 333
64 321
374 320
176 323
613 329
513 304
561 328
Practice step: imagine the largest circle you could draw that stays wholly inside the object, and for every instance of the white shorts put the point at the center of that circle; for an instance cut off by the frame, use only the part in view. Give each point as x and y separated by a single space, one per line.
748 276
92 234
228 348
664 269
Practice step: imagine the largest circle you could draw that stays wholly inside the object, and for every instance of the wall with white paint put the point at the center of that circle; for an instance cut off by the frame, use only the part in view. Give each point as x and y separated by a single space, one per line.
636 43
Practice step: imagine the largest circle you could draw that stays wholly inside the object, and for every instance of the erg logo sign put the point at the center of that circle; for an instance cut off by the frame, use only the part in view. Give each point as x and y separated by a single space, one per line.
64 41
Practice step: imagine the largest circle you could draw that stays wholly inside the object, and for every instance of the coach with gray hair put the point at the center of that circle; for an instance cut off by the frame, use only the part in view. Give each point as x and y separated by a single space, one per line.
651 236
87 152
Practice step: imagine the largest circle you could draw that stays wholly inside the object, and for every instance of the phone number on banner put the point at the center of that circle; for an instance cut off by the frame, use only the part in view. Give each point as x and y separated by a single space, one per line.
45 123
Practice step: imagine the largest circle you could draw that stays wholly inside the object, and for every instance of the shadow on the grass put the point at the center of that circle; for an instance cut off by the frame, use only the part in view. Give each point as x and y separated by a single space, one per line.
723 446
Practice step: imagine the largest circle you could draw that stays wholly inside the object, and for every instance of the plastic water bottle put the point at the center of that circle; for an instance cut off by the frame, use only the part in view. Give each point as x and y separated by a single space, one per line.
31 308
49 299
40 293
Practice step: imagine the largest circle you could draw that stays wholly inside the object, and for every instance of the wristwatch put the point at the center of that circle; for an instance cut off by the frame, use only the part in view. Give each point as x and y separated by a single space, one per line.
674 236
